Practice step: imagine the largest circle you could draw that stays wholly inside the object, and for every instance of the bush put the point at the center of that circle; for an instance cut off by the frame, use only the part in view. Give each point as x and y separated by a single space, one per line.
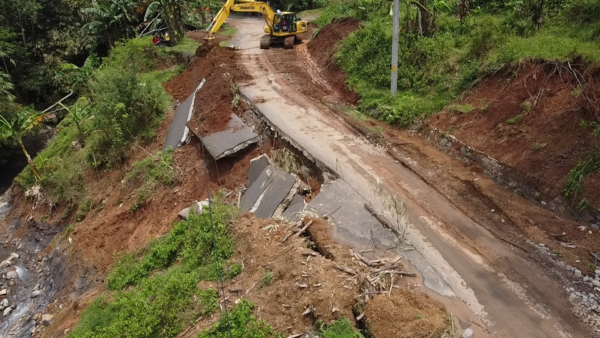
126 109
162 304
242 324
190 241
147 175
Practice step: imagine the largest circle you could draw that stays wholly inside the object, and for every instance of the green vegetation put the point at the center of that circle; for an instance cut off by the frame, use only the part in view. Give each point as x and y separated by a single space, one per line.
446 49
149 174
461 108
586 166
339 329
514 119
267 279
190 242
242 324
124 103
161 304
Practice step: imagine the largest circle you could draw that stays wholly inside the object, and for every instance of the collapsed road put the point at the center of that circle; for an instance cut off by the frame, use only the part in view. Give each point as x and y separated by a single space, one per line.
488 284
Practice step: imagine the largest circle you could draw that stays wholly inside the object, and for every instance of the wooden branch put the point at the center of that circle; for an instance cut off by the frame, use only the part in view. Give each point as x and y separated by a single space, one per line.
400 273
304 229
382 219
345 269
362 258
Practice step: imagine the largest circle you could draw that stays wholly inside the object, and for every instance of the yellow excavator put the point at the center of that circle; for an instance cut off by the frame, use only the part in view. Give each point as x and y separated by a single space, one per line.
280 26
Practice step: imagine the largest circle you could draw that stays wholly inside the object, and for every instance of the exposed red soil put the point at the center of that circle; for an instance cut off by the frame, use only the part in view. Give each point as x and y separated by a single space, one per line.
214 102
405 314
546 143
322 49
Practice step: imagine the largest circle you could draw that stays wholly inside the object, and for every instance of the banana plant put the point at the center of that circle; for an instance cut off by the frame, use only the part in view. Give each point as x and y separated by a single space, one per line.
112 18
19 126
77 113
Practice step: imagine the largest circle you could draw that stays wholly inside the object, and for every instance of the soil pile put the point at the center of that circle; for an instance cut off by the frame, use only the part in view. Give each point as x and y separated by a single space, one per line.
293 286
215 101
405 314
324 46
532 123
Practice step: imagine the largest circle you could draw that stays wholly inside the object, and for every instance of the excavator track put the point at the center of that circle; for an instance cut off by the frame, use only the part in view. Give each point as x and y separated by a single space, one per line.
265 41
288 43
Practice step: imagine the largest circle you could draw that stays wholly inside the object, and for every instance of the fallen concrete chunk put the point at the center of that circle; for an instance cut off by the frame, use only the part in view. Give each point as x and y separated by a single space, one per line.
224 143
275 194
257 166
177 129
255 190
296 206
197 208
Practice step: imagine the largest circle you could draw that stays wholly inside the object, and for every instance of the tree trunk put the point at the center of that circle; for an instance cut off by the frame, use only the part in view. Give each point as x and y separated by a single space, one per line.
427 20
169 18
463 9
80 133
30 162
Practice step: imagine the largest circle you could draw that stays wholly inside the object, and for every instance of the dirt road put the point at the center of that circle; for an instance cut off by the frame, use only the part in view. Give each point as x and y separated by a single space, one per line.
489 285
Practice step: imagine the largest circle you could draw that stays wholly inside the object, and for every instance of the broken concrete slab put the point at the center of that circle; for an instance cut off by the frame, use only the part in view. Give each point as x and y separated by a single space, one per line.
295 207
224 143
353 223
197 208
255 190
178 131
277 195
257 166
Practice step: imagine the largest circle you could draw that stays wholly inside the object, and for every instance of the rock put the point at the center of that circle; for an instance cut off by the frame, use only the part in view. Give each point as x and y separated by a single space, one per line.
468 333
597 272
561 209
544 203
7 311
47 319
595 227
3 292
542 245
577 273
4 209
13 256
184 213
36 293
12 275
4 302
598 216
5 264
586 278
596 283
443 141
568 267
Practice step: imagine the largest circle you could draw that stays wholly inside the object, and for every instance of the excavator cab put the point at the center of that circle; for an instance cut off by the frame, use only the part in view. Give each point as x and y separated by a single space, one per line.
284 22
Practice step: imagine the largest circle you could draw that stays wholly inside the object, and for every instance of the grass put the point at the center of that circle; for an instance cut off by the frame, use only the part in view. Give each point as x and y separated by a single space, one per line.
242 324
311 13
267 279
339 329
514 119
461 108
229 31
161 304
150 174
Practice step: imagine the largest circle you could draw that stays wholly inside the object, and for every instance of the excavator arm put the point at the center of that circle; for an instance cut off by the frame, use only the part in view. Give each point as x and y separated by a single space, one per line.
243 6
